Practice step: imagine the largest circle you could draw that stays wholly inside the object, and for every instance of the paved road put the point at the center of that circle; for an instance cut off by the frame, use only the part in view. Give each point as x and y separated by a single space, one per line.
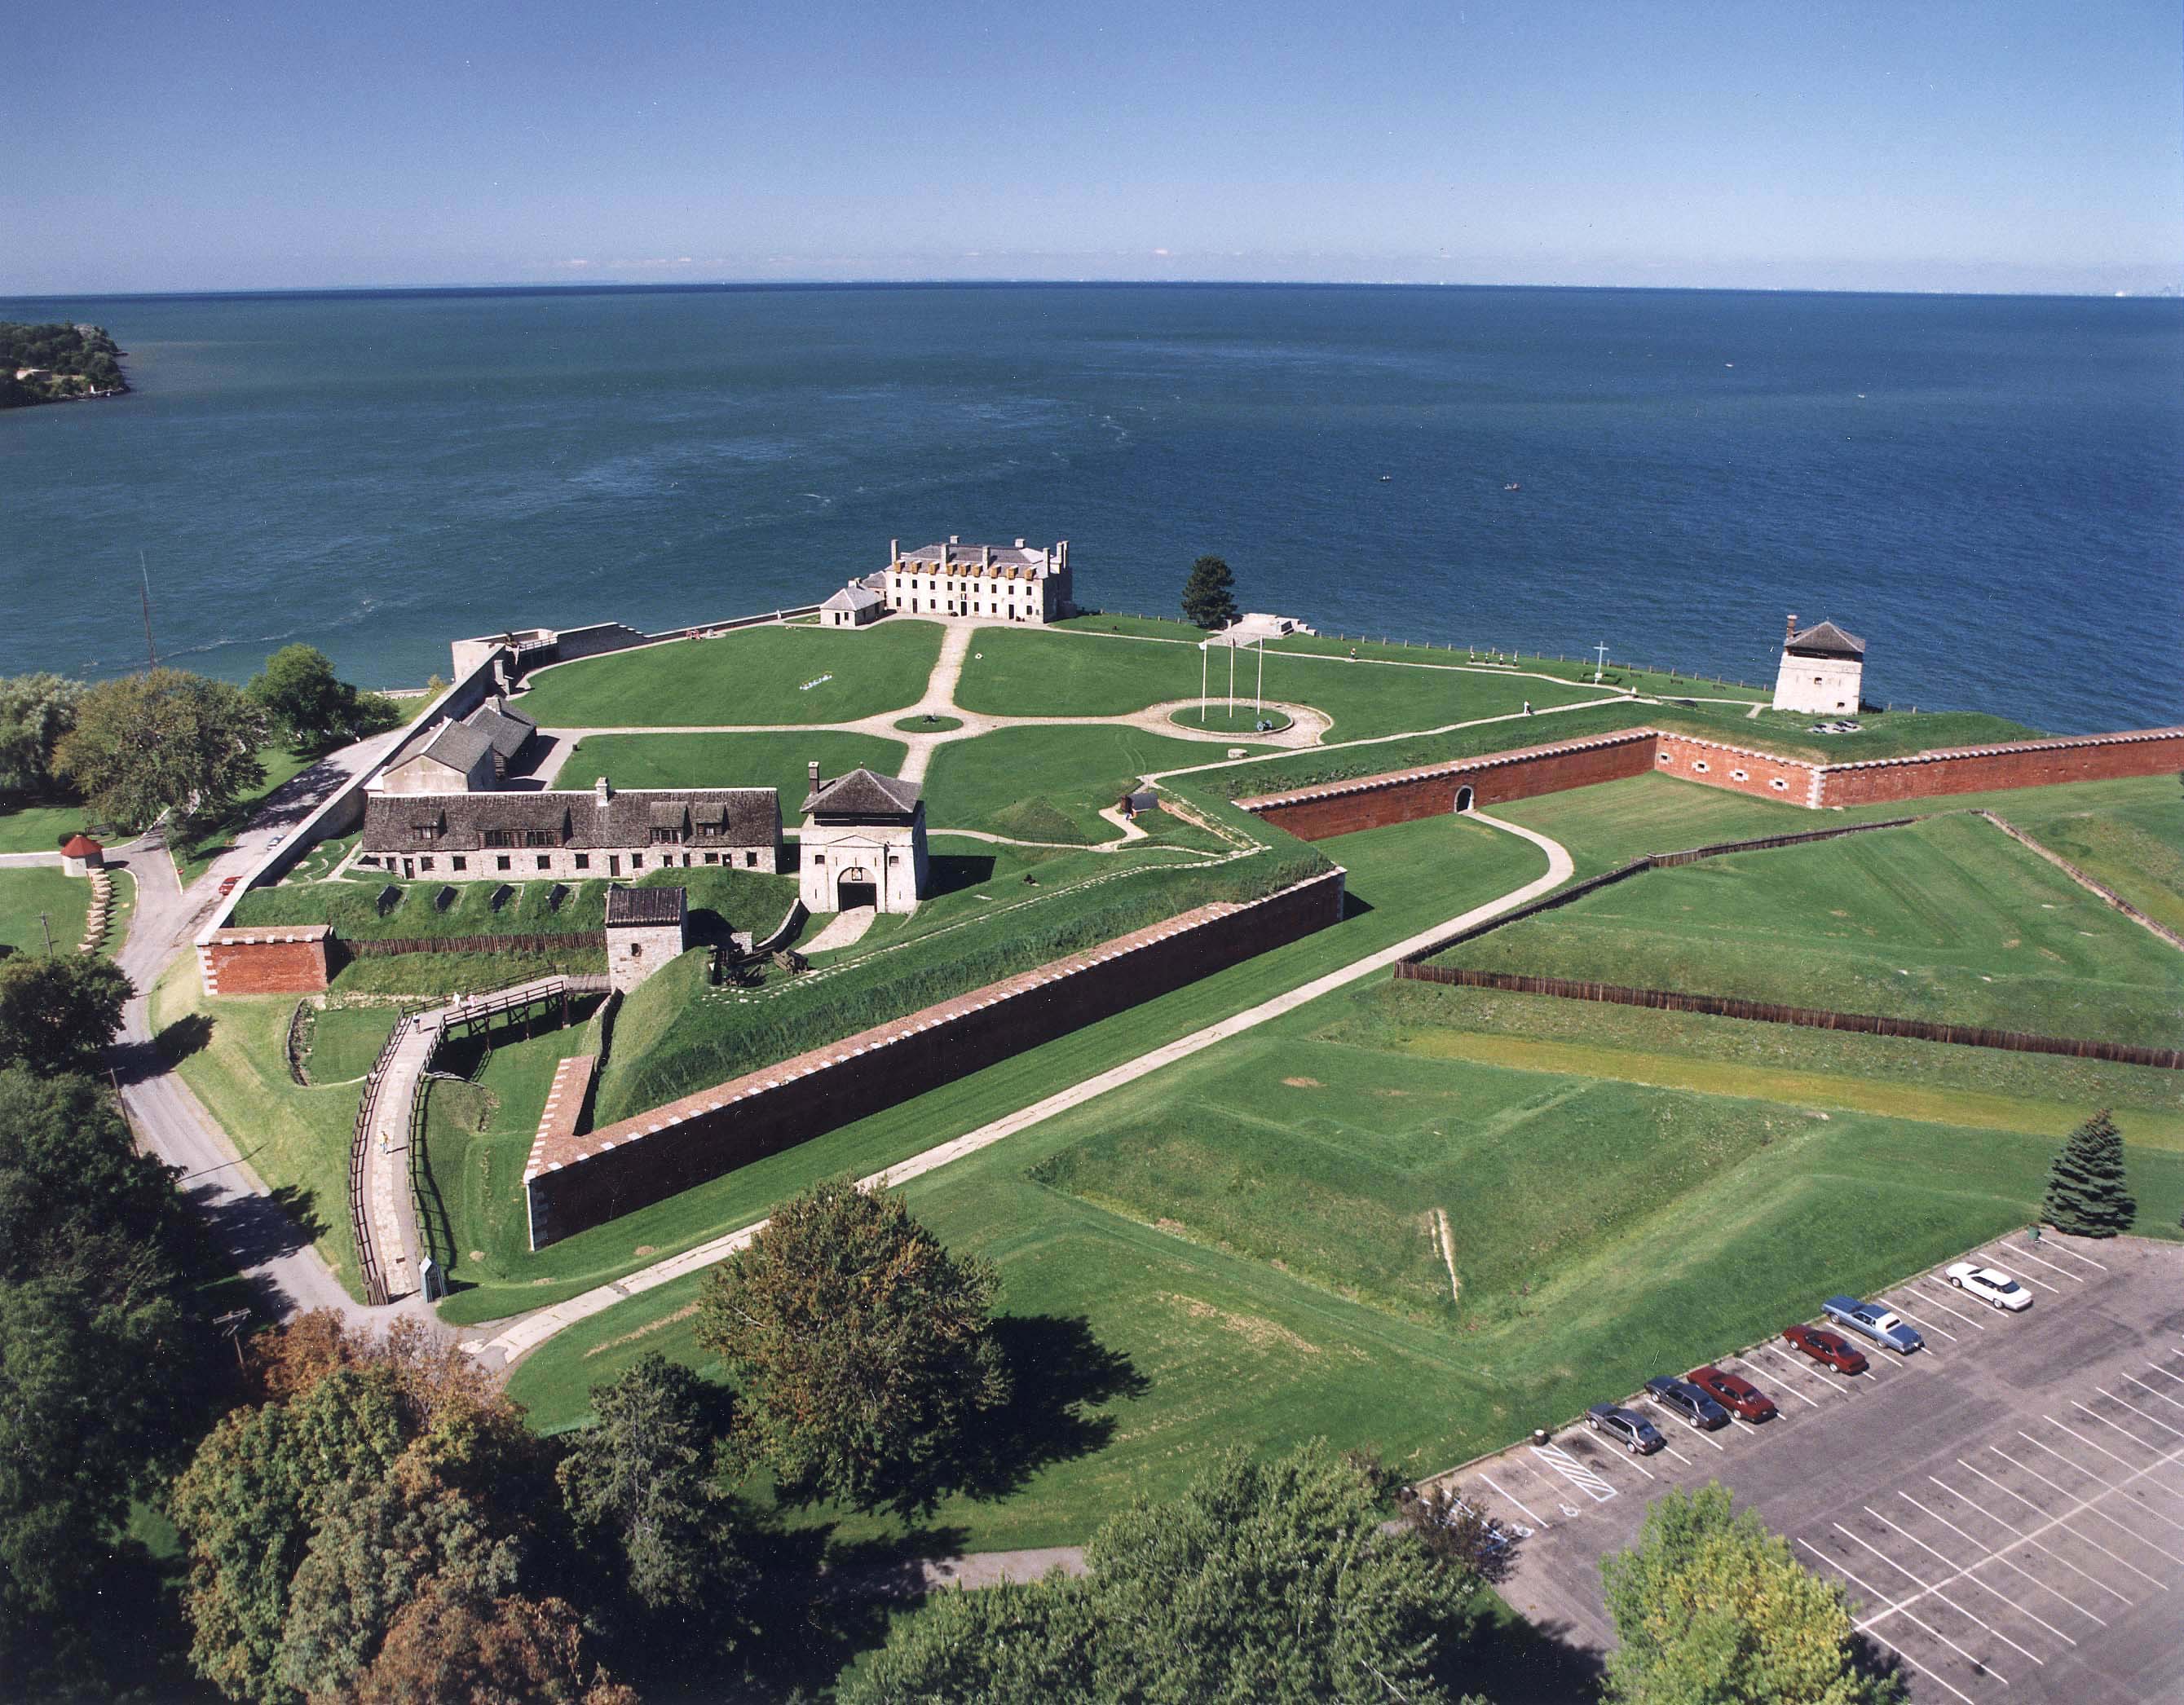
517 1338
268 1246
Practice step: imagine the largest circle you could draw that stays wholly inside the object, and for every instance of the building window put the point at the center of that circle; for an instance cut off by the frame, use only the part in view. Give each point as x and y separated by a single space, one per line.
1700 765
1739 775
637 861
583 861
537 837
818 858
460 862
424 864
421 833
501 863
712 858
500 837
545 861
1778 785
665 837
750 859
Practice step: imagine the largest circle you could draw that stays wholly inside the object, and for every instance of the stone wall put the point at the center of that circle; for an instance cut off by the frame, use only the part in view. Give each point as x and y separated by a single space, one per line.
277 959
1403 795
575 1182
2022 763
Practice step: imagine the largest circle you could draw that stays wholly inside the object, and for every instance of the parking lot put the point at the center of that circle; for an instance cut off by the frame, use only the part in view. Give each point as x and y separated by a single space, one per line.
2005 1508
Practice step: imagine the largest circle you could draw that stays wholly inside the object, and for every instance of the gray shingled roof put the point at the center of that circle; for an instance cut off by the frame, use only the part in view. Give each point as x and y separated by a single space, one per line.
748 816
862 794
1828 641
644 906
456 744
506 729
1004 556
852 597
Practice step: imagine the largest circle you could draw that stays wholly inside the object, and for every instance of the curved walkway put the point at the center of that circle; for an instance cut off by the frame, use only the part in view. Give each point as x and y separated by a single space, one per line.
518 1337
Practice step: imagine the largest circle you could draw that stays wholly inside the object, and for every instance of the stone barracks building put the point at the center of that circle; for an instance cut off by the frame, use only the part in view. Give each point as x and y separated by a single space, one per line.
1015 583
600 832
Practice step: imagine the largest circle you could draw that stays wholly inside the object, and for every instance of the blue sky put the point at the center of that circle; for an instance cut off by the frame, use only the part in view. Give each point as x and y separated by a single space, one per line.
1840 144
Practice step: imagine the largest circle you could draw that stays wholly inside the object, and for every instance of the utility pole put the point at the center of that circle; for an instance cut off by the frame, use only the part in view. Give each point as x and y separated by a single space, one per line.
1600 664
151 651
48 928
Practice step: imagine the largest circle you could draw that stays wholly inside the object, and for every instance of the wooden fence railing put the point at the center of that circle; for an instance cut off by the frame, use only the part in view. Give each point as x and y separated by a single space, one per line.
1809 1018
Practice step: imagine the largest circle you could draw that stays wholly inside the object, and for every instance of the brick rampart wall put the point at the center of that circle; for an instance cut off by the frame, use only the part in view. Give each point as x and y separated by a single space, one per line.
1404 796
266 962
2027 764
574 1183
1736 768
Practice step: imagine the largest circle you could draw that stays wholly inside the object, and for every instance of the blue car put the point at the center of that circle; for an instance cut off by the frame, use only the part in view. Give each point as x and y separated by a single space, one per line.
1885 1326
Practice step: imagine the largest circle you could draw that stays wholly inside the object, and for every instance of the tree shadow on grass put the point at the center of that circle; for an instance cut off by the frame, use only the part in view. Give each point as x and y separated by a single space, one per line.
190 1034
951 872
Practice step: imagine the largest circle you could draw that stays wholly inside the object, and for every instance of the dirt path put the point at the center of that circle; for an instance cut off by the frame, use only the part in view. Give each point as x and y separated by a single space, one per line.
518 1337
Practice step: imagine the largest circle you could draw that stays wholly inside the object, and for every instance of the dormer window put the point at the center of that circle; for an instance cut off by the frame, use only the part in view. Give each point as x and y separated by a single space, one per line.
500 837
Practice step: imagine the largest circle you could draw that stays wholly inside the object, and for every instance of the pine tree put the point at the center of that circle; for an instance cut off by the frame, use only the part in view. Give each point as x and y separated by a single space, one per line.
1208 595
2086 1192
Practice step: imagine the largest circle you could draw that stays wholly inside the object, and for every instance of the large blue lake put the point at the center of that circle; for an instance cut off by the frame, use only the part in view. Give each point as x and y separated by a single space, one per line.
1988 490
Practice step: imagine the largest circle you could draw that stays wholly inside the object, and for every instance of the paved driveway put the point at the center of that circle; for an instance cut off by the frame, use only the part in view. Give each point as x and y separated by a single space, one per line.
2005 1508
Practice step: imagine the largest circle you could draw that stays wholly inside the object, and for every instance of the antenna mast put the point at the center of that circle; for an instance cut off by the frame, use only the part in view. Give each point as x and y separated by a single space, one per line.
151 651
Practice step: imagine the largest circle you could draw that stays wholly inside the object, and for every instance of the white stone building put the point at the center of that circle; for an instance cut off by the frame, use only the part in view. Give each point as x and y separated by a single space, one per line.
472 755
1015 583
1822 671
857 603
570 835
862 844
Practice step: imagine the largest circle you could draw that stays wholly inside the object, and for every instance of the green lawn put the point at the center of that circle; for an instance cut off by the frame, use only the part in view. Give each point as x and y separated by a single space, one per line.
28 891
1251 1233
2134 844
232 1052
1030 673
1216 716
424 976
1049 783
1401 880
928 722
753 675
777 761
345 1042
1663 683
1947 920
31 828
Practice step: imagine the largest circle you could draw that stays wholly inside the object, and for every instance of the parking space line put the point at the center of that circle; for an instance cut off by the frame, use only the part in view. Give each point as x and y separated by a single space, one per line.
2026 1250
1979 1325
1925 1591
1907 1617
2063 1521
2030 1280
1994 1555
2056 1521
2106 1422
1540 1522
2166 1373
1924 1327
2084 1440
1668 1449
2150 1391
1966 1574
1587 1479
2140 1412
2066 1249
1705 1438
2102 1480
2024 1538
1763 1372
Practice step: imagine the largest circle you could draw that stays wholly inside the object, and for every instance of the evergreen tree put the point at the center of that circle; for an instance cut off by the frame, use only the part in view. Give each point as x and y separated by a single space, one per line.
2086 1191
1209 595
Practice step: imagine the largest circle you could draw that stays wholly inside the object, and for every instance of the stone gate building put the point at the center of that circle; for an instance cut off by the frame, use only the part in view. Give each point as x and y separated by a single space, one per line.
862 844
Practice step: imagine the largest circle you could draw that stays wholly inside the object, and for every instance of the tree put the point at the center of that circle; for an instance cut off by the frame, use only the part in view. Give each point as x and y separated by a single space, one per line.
2085 1189
444 1649
164 740
57 1015
300 692
1712 1609
638 1484
858 1344
35 710
1264 1581
1209 595
76 1197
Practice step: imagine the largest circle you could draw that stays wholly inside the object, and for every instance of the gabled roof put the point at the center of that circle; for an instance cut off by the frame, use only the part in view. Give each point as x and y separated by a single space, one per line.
1827 640
644 906
956 555
860 793
506 729
745 816
456 745
854 596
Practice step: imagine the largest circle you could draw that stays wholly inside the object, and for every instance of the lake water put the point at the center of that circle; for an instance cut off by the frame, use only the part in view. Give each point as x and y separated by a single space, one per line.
1986 489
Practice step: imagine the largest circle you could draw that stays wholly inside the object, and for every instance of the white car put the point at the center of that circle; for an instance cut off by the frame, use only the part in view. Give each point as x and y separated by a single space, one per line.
1989 1284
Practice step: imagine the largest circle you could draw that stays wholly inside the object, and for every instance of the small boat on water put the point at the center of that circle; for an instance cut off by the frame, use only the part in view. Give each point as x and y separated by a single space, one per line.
1386 478
1513 487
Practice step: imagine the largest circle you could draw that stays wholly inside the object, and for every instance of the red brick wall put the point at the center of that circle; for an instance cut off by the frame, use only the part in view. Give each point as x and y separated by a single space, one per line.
644 1159
264 968
1739 769
1495 778
2034 764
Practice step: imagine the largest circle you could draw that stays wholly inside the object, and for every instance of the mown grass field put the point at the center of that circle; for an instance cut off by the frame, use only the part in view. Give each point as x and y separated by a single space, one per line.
1026 673
777 761
1252 1231
1947 920
28 827
2134 843
1050 784
232 1052
344 1043
30 892
1401 882
754 676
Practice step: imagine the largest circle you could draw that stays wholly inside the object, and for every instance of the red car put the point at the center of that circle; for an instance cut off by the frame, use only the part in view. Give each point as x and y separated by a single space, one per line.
227 886
1825 1348
1738 1395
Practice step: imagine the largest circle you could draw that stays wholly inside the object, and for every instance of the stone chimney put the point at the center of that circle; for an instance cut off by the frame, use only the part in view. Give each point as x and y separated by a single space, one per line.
812 770
954 539
1792 631
1019 544
601 793
985 557
895 550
